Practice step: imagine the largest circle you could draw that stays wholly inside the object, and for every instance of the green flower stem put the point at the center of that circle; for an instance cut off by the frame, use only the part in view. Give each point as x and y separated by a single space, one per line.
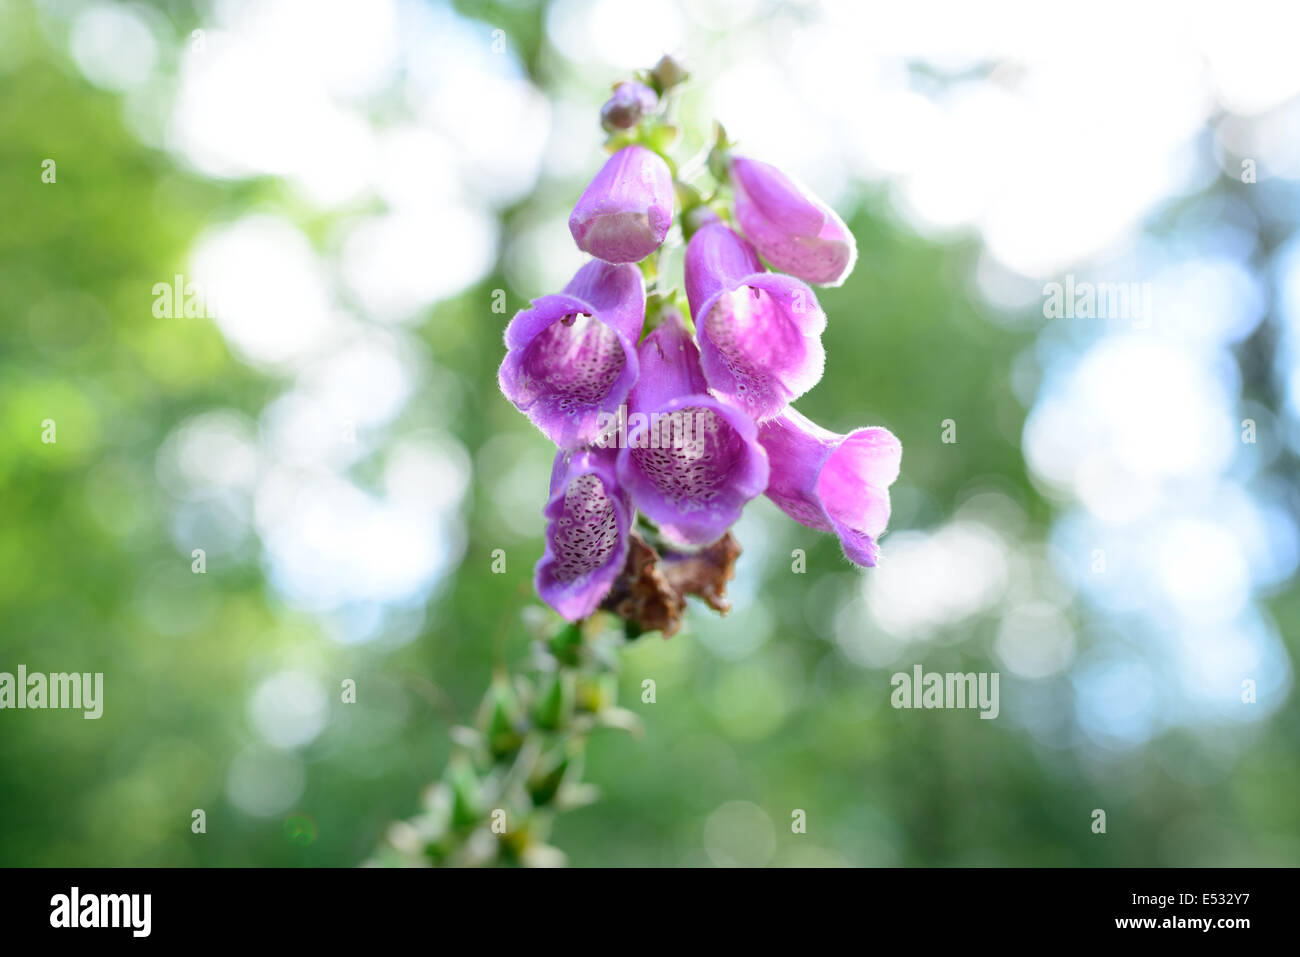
521 765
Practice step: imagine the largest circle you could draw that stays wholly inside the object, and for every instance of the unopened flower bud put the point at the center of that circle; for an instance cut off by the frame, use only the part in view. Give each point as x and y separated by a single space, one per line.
501 718
467 794
625 212
544 783
794 230
555 702
668 73
696 218
630 103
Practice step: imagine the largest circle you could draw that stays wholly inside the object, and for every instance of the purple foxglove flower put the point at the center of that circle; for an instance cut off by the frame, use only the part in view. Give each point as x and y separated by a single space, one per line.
624 214
588 523
572 356
625 109
833 483
794 230
759 332
690 461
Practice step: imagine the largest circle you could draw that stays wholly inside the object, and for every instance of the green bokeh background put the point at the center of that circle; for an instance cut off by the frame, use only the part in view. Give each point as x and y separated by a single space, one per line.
84 541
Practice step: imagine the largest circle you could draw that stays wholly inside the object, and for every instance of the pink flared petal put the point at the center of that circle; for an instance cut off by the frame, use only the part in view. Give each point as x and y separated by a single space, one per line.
831 482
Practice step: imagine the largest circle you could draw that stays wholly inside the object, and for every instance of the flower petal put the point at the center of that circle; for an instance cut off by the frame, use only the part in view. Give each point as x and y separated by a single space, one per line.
759 332
831 482
776 196
572 356
854 481
792 229
586 535
691 461
625 212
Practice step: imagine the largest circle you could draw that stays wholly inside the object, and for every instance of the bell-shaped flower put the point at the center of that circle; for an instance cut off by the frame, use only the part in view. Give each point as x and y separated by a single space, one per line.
624 214
690 461
759 332
589 520
794 230
833 483
571 358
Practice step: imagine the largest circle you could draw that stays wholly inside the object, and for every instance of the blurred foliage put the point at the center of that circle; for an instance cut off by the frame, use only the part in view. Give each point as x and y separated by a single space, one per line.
88 571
